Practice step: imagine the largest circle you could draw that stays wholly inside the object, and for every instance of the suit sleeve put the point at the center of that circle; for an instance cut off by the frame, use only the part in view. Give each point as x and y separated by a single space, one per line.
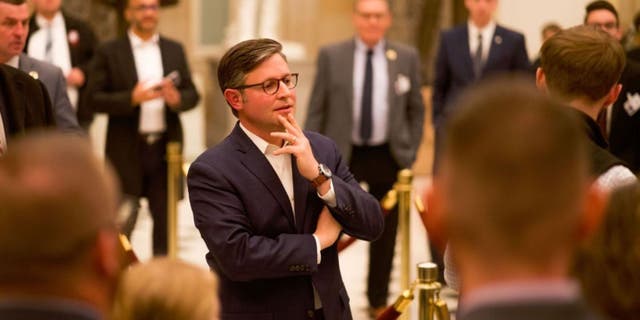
101 94
240 253
318 101
441 82
521 60
357 211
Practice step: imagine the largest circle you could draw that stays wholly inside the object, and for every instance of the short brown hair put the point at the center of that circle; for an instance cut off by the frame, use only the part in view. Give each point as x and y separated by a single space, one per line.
165 288
55 197
514 166
582 61
242 58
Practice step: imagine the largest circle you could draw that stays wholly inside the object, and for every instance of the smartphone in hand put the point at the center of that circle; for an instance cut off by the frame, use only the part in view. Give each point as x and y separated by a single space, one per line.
174 76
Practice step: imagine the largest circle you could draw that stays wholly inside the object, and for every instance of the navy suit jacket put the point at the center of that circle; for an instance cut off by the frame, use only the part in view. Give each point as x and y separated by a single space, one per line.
266 259
454 67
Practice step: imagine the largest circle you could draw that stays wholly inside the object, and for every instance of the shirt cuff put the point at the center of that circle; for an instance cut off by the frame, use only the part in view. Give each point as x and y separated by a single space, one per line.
319 259
330 197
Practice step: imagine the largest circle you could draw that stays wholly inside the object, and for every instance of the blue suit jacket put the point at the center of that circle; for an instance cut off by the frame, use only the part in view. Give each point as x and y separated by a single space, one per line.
266 260
454 67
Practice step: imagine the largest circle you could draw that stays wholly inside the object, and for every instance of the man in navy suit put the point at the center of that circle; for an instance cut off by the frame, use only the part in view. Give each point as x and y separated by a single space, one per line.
470 52
271 199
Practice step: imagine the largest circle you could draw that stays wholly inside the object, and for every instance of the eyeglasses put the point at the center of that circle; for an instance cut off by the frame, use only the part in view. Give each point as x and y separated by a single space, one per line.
605 26
271 86
145 7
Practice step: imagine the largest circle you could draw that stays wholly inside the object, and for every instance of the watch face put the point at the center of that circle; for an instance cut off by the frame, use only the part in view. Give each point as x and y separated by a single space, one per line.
324 170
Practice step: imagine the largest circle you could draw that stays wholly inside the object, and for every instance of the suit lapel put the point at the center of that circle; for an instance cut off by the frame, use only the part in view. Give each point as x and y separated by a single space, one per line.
300 191
466 53
167 65
16 104
128 63
496 43
255 161
391 55
348 79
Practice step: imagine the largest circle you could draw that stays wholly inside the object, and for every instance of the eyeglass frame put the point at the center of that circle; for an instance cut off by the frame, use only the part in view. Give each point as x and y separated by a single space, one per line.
263 84
145 7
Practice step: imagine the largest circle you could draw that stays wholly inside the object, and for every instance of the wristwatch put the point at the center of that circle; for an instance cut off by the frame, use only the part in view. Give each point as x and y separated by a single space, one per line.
324 174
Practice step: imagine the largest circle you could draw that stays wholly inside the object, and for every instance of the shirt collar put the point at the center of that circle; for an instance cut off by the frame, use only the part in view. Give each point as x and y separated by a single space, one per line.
264 146
361 46
137 42
510 292
487 31
58 20
14 62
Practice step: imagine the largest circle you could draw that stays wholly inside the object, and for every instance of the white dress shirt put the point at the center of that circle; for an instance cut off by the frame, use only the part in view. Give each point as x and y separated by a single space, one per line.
59 55
380 99
3 137
487 37
148 61
281 164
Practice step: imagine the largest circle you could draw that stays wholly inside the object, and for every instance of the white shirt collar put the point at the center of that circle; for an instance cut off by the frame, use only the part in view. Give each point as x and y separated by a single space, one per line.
58 20
361 46
137 42
487 31
14 62
264 146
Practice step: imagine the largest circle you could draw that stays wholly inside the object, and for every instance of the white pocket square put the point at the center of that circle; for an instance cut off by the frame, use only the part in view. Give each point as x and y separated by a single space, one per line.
402 84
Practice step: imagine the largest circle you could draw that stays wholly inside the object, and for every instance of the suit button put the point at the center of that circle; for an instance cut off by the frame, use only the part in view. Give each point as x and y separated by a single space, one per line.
310 313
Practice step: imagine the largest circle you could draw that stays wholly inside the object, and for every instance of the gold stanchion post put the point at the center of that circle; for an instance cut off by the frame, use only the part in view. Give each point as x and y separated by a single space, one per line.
403 188
430 305
174 166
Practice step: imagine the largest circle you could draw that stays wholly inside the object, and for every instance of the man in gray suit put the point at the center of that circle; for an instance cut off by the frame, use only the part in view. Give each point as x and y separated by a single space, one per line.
14 27
367 98
514 214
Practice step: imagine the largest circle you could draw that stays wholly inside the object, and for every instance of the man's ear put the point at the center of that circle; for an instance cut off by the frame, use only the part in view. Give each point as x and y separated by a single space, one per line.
234 98
107 254
593 211
541 79
433 216
613 94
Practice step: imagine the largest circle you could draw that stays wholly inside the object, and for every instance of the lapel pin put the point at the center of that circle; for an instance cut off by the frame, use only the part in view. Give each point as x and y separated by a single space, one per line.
34 74
391 54
497 39
73 37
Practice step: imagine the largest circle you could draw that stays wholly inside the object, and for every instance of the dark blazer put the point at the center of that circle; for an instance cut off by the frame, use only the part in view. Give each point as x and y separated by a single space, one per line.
532 310
454 66
25 104
113 77
332 99
53 79
81 52
30 310
266 260
624 133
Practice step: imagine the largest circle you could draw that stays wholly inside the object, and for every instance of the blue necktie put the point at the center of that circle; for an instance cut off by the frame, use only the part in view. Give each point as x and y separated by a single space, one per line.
367 97
477 58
